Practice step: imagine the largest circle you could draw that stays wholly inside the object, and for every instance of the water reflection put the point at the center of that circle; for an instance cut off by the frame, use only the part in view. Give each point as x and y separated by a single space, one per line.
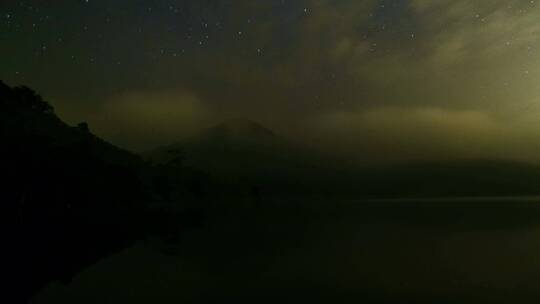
430 251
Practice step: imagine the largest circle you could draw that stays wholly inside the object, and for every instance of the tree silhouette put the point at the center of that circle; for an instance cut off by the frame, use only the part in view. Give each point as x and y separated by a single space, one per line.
178 158
83 126
29 99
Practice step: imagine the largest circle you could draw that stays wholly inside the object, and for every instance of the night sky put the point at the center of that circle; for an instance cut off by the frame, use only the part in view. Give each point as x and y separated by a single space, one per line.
373 80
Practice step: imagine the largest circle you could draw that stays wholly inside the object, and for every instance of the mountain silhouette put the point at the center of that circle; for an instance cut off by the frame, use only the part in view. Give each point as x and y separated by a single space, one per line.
250 155
238 131
234 144
243 154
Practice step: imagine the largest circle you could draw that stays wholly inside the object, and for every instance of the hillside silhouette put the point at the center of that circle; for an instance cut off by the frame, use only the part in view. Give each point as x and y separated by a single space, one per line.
68 197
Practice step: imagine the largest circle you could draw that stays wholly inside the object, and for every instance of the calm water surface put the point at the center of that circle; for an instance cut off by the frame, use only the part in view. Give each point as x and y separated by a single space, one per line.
391 251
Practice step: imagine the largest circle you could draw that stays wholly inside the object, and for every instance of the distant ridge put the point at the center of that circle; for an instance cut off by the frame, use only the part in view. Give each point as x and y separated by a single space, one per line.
239 129
241 124
225 139
244 151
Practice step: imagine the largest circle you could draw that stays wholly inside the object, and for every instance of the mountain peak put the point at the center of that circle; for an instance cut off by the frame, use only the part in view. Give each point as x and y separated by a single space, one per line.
240 128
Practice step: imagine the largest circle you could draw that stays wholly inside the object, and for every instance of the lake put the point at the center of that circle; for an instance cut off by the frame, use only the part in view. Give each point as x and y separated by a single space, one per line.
381 251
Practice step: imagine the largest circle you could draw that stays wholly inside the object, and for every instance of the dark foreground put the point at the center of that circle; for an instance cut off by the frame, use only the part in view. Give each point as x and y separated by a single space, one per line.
73 202
431 251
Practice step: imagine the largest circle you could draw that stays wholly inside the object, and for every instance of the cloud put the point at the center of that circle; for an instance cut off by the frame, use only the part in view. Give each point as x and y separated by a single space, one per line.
143 119
393 134
479 29
432 53
391 79
425 80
